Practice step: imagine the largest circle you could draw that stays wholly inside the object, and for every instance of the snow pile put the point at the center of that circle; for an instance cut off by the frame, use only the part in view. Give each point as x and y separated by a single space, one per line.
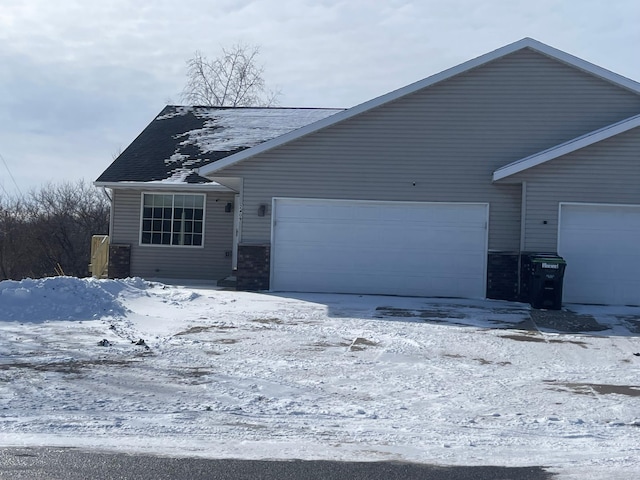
181 371
62 298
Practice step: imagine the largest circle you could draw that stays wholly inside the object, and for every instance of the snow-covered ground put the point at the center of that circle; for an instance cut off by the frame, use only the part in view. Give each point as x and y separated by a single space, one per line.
227 374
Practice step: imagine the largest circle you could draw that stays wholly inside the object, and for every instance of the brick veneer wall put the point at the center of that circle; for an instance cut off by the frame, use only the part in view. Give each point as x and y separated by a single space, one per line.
502 276
253 267
119 261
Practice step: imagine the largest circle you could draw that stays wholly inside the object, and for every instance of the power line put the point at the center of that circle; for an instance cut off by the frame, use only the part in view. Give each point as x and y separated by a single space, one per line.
11 175
4 189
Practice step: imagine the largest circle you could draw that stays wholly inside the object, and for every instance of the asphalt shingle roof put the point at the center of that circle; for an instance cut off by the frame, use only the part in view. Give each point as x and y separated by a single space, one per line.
182 139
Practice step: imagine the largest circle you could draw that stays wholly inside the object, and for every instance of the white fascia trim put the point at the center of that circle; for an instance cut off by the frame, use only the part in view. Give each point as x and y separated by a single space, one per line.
567 147
205 187
439 77
585 66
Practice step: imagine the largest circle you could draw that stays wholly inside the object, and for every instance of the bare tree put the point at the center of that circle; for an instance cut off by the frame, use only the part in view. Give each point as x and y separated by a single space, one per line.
14 239
234 79
49 231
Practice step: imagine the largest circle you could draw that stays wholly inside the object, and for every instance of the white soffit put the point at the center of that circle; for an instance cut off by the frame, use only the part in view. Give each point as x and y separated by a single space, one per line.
160 185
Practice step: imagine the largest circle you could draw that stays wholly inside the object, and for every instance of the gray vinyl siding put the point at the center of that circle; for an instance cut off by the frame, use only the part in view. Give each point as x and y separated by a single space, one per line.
213 262
446 139
606 172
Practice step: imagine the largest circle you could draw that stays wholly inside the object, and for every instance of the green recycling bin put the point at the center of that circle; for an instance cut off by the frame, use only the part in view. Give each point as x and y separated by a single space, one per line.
541 279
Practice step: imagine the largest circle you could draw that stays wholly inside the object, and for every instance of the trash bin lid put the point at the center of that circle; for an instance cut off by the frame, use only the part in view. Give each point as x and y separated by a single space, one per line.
548 261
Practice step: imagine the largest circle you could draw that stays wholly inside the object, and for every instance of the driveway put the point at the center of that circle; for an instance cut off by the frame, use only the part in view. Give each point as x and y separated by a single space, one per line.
514 315
220 374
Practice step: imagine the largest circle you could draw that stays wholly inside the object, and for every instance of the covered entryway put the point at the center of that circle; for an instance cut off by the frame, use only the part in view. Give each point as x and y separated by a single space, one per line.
375 247
601 244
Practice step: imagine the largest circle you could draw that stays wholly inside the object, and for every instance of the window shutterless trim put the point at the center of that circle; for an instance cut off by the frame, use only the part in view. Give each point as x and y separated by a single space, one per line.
173 194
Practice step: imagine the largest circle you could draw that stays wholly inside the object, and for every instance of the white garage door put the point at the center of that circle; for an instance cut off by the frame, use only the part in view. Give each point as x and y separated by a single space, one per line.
601 244
396 248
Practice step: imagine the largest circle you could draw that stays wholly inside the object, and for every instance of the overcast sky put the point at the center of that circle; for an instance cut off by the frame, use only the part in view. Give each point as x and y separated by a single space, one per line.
79 80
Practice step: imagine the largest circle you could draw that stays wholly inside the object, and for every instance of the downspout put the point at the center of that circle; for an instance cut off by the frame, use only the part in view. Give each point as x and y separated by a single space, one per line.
104 191
111 207
523 229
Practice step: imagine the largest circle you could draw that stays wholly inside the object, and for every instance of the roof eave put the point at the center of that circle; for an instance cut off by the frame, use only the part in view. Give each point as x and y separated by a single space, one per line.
566 148
208 187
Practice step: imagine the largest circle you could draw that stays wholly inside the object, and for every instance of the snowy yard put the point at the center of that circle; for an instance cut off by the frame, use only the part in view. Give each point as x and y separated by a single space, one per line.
226 374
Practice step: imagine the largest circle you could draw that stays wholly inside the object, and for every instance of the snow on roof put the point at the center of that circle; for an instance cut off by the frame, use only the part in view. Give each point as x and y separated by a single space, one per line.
230 129
184 138
179 111
178 175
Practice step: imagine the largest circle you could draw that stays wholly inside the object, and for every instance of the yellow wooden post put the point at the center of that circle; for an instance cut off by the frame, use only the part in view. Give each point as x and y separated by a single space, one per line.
99 266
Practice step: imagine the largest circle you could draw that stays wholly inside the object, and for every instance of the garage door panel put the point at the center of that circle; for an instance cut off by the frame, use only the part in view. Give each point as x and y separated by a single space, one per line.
390 233
402 212
594 239
377 262
407 243
601 245
365 283
379 247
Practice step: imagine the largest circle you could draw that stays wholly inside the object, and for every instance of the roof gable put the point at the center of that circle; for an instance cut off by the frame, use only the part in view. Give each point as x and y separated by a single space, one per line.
566 148
181 139
529 43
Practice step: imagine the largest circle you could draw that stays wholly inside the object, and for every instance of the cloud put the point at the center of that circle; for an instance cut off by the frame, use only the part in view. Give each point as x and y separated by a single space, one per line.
81 79
56 125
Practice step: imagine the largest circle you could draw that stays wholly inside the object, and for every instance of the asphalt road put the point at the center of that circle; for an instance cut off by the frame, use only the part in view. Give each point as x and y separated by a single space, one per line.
73 464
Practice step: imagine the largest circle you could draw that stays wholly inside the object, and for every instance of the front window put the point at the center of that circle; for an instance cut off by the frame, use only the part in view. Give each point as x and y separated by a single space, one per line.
172 219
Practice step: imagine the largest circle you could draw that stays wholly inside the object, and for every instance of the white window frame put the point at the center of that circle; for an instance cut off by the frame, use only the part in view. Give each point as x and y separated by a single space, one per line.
173 194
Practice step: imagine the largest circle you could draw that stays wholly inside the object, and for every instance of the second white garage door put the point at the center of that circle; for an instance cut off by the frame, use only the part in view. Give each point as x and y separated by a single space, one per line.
601 244
395 248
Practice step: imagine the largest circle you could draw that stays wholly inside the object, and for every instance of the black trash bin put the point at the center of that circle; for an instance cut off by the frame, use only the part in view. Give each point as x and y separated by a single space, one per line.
541 277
